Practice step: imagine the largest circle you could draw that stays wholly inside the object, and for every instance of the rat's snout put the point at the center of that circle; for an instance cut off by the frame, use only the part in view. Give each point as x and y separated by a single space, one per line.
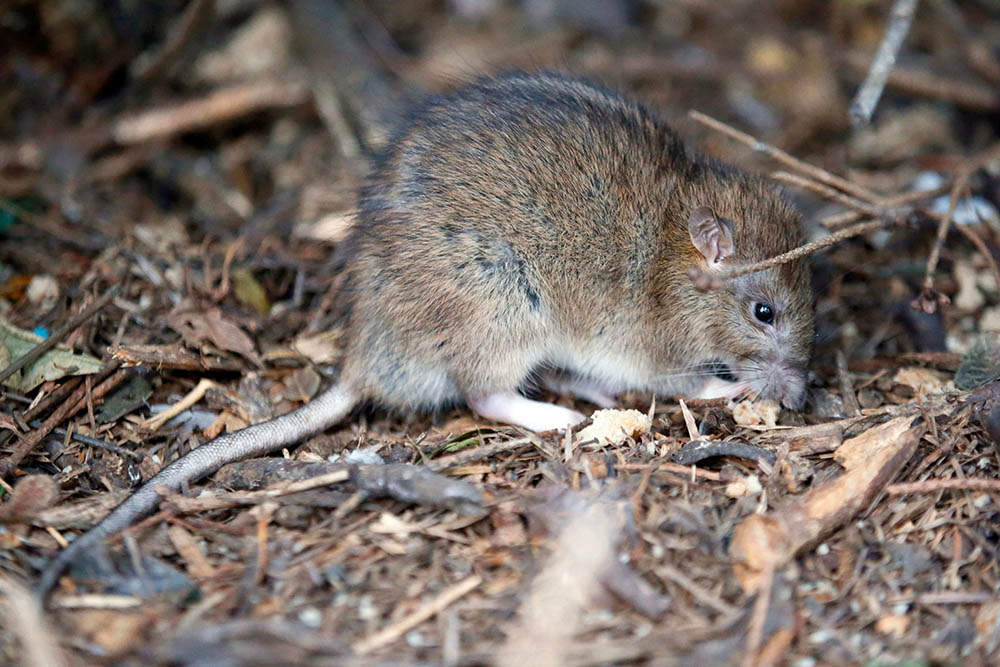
790 383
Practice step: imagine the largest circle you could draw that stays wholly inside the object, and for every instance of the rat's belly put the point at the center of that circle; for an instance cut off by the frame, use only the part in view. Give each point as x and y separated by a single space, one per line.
613 365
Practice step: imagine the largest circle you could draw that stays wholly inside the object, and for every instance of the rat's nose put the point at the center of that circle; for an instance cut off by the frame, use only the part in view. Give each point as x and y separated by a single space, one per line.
793 387
794 401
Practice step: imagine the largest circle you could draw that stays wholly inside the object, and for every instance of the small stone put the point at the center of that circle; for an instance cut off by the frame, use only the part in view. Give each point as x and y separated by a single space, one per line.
969 298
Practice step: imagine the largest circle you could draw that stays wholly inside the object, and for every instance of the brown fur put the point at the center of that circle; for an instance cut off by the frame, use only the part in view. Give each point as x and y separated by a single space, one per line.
536 220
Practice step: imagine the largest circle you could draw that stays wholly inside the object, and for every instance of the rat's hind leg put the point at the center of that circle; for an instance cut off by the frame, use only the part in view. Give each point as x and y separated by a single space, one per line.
589 390
512 408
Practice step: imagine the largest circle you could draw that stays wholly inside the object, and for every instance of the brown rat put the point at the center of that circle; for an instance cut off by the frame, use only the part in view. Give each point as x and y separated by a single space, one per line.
533 224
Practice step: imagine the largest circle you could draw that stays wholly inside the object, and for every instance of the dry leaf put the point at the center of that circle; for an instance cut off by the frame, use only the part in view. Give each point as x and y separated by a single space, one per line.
302 384
55 364
322 348
924 381
249 291
32 494
210 325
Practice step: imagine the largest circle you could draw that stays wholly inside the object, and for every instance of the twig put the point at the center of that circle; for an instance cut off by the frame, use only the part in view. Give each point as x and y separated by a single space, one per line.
704 280
97 601
945 597
959 92
984 250
675 468
189 399
427 610
827 192
850 399
153 63
222 104
468 456
667 571
76 401
896 205
821 175
934 485
36 352
93 442
871 90
226 499
755 631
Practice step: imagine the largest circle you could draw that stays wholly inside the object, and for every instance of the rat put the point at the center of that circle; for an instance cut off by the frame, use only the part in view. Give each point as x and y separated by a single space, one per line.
537 229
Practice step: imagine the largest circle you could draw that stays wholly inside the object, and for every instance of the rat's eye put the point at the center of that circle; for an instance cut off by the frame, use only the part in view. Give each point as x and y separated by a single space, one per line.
763 312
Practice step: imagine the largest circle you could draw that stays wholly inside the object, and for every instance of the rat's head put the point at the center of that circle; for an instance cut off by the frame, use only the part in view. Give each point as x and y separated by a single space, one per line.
758 328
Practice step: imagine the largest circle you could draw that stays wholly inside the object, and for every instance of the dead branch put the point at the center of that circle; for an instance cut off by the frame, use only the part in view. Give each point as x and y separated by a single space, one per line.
900 206
962 93
221 105
705 280
76 402
428 610
868 95
828 193
935 485
821 175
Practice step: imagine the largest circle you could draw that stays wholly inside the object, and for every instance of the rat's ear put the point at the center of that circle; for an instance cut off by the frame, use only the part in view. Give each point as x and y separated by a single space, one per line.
710 234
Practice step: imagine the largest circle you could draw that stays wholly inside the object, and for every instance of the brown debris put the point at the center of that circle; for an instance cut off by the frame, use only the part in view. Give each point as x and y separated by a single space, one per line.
768 541
168 357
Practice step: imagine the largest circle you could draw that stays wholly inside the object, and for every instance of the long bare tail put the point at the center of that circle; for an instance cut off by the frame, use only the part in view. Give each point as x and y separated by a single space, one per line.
323 411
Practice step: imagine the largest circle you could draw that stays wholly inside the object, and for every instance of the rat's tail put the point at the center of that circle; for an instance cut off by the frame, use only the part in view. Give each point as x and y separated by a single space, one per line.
323 411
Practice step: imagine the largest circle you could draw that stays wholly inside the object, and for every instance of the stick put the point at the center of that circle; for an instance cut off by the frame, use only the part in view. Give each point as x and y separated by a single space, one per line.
934 485
468 456
76 401
871 90
871 459
897 205
93 442
959 92
821 175
827 192
705 280
36 352
219 106
189 399
427 610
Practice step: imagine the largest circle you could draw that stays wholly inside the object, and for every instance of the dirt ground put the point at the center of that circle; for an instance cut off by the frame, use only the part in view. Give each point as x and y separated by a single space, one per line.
176 179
